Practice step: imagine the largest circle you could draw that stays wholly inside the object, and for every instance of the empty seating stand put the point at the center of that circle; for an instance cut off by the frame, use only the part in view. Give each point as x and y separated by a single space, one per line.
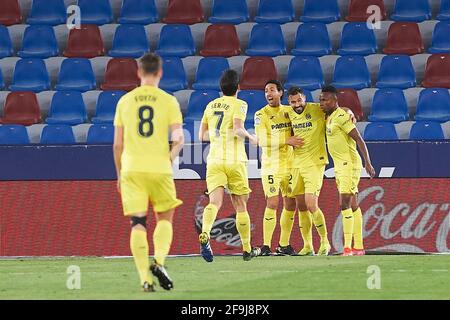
312 39
221 40
351 72
444 11
57 135
14 135
6 48
325 11
138 12
106 106
357 39
433 105
184 12
174 75
209 72
306 73
411 10
258 44
39 42
396 71
380 131
348 98
21 108
121 74
280 11
130 41
424 130
10 12
176 41
359 10
76 75
389 105
404 38
30 75
441 40
229 11
100 134
437 72
67 107
85 42
256 71
95 12
47 12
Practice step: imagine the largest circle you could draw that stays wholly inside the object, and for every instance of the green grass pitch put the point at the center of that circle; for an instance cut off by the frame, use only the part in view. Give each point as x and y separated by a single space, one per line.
401 277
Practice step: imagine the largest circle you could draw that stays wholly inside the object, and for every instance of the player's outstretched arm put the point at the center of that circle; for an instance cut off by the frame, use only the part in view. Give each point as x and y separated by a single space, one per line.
177 137
118 150
240 131
355 135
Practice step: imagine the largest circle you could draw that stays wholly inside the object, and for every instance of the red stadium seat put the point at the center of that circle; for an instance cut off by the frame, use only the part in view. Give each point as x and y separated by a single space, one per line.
221 40
437 72
10 12
86 42
21 108
404 38
256 72
184 12
121 74
357 10
348 98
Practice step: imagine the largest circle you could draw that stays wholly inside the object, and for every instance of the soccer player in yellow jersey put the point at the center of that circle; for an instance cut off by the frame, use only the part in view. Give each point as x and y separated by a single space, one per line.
342 139
273 129
223 125
143 158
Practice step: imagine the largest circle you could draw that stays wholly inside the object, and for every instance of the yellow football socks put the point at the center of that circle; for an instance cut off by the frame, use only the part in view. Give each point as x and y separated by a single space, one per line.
286 223
139 249
243 227
319 223
162 239
270 222
209 216
357 229
305 222
347 224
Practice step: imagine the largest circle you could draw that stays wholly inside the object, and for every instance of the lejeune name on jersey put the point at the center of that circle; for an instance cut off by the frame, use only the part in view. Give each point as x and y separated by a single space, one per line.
303 125
281 125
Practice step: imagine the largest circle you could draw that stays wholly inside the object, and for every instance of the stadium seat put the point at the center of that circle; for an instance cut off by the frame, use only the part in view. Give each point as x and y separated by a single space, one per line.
229 11
174 75
433 105
76 75
351 72
85 42
437 72
221 40
444 12
389 105
269 11
130 41
411 10
121 74
348 98
209 72
106 106
67 107
10 12
30 75
57 135
198 102
6 48
2 83
176 41
380 131
441 40
404 38
39 42
325 11
255 99
14 135
357 39
396 71
256 71
48 12
100 134
357 11
21 108
258 44
138 12
426 130
305 72
95 12
312 40
184 12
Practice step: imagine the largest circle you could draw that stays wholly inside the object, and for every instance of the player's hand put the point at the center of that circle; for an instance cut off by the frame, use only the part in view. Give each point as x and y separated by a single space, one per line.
253 140
295 141
370 170
118 184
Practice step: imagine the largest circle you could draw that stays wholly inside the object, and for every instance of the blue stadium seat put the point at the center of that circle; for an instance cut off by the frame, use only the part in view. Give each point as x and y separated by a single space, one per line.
139 12
426 130
444 12
174 75
57 135
198 102
67 107
351 72
280 11
433 105
30 75
13 135
306 73
48 12
176 40
357 39
380 131
411 10
106 106
308 94
396 71
209 72
76 74
39 42
6 48
258 44
100 134
229 11
312 40
95 12
130 41
325 11
2 82
441 39
389 105
255 100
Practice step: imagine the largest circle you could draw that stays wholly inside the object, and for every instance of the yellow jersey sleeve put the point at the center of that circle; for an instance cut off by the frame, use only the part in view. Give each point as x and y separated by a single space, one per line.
118 118
240 111
346 124
175 116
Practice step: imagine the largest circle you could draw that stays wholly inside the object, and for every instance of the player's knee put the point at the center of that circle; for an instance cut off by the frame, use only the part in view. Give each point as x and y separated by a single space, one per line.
139 222
301 204
289 204
345 204
272 203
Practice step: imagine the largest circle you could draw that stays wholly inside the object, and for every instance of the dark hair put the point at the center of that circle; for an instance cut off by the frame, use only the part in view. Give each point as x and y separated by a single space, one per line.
330 89
278 84
293 91
229 82
150 63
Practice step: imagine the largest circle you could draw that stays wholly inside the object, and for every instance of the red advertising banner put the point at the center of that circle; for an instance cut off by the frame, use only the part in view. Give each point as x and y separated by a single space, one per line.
84 218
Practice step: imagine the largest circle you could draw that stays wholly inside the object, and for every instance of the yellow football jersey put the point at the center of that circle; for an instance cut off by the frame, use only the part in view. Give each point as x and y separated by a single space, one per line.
146 114
219 114
273 127
309 126
341 146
